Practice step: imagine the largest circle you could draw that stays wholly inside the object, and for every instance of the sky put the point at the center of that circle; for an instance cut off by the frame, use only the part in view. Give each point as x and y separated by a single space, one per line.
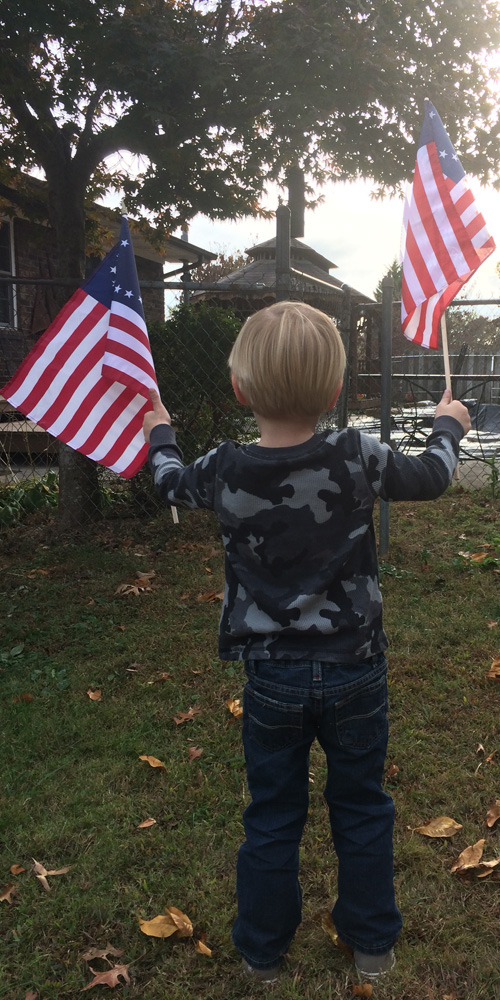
361 235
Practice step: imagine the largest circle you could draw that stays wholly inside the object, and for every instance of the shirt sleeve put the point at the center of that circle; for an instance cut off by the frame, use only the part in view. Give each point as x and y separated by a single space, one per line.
178 484
392 475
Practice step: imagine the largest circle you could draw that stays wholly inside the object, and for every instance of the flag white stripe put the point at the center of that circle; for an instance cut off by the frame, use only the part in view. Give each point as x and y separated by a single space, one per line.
112 435
120 309
130 452
96 413
126 368
122 337
75 401
48 354
439 213
425 247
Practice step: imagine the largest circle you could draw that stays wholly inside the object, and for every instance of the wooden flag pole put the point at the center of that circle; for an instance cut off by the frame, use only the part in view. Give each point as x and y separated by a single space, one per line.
447 371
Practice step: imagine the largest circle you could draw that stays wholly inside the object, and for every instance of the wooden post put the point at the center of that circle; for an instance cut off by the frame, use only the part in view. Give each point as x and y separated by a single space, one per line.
447 372
385 393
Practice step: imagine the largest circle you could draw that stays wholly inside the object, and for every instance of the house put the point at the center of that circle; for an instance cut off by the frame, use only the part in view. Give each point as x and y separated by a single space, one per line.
253 286
27 252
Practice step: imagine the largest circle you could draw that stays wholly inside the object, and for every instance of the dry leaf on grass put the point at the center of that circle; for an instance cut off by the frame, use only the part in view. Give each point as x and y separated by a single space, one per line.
41 873
152 761
330 929
31 995
469 858
25 697
6 892
140 584
173 921
94 695
363 990
110 978
494 671
102 953
211 596
492 815
146 823
201 947
487 868
392 771
16 869
441 826
194 752
185 716
235 707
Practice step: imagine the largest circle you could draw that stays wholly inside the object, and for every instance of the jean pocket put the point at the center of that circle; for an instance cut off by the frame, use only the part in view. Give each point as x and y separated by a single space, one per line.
361 718
273 725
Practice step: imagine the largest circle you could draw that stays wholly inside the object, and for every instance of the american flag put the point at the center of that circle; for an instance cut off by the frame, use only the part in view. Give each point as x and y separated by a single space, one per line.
86 380
445 236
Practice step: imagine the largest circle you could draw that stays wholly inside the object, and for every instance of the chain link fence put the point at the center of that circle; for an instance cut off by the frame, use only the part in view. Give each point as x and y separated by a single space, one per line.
190 351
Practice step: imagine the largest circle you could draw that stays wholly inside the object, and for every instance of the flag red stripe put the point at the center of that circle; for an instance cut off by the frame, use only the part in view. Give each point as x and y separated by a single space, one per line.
453 216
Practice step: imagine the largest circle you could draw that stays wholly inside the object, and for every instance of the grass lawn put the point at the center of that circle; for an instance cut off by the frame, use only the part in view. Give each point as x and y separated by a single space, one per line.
74 789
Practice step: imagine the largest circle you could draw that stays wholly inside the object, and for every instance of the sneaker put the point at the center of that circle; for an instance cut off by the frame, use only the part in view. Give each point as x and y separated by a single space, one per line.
262 975
371 966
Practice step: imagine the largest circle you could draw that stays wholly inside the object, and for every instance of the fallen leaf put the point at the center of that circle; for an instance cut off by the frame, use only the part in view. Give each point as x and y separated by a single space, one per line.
492 815
480 748
211 596
363 990
185 716
393 770
490 757
16 869
182 922
469 858
201 947
173 921
153 761
25 697
110 978
94 695
31 995
41 873
161 926
164 676
142 582
6 892
194 752
491 623
487 867
102 953
235 707
441 826
146 823
330 929
494 671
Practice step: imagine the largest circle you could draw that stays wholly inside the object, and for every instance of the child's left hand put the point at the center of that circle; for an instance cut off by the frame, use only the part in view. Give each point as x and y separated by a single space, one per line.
158 415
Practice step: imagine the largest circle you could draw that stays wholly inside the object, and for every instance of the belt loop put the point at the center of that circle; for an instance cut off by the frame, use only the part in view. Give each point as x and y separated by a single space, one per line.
317 671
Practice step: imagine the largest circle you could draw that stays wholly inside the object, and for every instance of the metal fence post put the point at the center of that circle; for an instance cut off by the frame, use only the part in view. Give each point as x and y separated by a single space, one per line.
385 393
283 217
345 333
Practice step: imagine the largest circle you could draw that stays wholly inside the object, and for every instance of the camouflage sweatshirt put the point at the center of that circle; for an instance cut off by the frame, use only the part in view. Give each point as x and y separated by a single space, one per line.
300 553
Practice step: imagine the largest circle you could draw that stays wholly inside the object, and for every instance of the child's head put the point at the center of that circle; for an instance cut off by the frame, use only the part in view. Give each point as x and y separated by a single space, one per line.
288 361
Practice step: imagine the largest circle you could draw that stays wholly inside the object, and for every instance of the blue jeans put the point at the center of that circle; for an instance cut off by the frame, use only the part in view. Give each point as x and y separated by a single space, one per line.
286 705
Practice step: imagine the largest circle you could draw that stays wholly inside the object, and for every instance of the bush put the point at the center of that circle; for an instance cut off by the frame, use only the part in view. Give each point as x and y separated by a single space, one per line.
190 352
26 497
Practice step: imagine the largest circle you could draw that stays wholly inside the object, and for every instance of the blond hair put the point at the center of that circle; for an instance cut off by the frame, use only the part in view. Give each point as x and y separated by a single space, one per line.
288 360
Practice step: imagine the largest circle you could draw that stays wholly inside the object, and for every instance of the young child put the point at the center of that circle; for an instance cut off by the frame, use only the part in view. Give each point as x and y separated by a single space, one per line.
302 608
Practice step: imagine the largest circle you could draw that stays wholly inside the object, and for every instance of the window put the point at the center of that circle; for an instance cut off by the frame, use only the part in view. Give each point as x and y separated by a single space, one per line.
6 295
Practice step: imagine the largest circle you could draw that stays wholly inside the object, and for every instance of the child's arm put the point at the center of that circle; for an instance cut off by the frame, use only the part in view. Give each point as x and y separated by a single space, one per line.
392 475
176 484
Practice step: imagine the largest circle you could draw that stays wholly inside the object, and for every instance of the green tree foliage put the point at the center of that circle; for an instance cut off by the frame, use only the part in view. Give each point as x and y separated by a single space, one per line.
190 352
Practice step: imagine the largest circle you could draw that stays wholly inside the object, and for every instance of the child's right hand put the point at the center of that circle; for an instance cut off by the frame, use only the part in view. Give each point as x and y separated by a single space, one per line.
453 408
158 415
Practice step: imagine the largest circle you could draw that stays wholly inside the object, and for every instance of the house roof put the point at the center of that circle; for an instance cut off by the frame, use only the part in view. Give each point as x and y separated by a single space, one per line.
309 272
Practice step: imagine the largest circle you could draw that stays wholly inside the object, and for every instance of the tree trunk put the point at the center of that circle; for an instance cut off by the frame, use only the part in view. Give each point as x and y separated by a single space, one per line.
78 484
